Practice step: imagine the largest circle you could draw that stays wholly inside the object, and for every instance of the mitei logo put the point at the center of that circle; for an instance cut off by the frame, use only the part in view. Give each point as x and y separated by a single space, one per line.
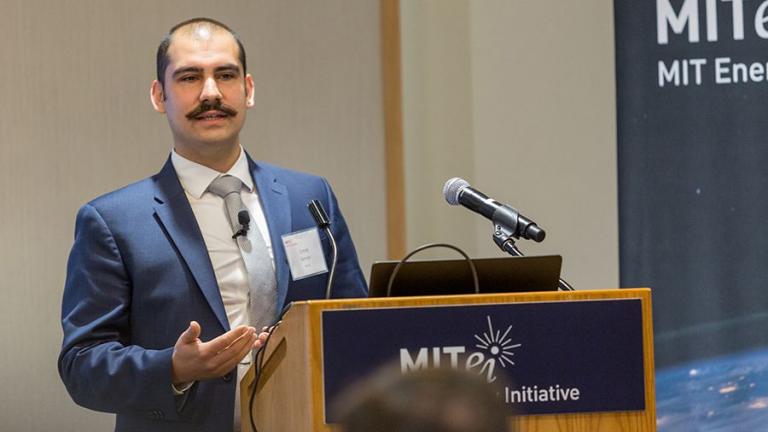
490 348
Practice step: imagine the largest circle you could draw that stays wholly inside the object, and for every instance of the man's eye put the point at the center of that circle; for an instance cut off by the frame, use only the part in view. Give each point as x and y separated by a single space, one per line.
188 78
227 76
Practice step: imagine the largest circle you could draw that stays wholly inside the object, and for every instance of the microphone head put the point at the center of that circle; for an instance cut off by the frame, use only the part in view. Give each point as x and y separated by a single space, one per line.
243 217
452 189
318 213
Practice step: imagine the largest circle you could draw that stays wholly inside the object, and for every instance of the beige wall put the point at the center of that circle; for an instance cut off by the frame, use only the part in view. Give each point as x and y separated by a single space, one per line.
76 122
518 98
437 118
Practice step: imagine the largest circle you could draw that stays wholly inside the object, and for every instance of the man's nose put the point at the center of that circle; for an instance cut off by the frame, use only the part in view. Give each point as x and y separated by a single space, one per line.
210 90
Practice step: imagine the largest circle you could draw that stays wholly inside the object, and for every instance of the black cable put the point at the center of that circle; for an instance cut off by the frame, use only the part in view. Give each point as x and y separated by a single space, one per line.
258 364
429 246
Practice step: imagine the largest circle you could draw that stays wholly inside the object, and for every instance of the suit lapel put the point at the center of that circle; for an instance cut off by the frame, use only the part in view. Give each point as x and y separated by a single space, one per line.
277 210
175 214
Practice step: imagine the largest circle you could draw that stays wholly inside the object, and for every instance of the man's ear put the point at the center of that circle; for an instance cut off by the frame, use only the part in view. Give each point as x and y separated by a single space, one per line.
249 90
157 96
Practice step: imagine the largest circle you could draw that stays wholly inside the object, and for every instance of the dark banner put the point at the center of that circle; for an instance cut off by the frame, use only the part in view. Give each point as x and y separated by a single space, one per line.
580 356
692 95
693 170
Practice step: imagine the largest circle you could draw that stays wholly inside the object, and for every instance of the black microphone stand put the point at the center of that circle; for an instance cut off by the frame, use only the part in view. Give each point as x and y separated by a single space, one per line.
504 236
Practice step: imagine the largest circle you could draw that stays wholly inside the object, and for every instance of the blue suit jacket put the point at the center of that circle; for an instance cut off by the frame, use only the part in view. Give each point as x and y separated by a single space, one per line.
139 272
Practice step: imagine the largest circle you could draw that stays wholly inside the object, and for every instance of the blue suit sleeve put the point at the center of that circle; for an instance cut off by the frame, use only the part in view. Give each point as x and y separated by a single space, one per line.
349 280
100 367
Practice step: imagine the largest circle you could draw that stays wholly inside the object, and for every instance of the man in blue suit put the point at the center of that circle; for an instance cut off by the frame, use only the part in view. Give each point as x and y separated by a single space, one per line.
157 310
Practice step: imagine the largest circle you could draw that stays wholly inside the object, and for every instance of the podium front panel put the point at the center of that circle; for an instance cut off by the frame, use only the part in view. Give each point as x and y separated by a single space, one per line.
548 357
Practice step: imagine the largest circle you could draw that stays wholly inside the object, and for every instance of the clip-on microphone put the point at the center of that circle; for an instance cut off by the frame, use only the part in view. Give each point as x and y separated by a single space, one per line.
244 219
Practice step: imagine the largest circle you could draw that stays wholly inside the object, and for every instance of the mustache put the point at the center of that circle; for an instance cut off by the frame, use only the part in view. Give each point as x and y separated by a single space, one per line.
208 106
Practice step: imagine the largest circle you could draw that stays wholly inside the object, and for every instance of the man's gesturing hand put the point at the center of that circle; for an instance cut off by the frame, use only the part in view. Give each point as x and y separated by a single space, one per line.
195 360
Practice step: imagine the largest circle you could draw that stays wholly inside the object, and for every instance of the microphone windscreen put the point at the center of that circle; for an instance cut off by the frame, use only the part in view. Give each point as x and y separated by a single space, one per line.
243 217
318 213
452 189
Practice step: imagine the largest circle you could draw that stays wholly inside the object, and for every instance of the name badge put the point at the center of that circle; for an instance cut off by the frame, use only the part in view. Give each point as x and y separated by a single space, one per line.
304 253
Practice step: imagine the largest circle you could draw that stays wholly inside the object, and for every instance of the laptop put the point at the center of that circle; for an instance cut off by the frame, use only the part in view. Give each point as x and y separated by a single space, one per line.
446 277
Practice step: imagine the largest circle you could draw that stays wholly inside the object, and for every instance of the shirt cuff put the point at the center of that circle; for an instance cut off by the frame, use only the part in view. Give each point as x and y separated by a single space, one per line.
181 388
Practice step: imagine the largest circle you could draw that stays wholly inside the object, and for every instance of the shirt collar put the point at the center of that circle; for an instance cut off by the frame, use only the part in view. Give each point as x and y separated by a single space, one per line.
195 178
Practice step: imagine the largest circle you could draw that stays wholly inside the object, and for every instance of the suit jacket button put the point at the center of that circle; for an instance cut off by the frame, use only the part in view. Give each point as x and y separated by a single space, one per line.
227 377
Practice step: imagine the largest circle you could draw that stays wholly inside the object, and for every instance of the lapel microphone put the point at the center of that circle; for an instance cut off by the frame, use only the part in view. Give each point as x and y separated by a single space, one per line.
244 219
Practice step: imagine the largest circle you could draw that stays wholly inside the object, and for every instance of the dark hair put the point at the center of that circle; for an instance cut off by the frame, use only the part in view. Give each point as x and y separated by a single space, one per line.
162 49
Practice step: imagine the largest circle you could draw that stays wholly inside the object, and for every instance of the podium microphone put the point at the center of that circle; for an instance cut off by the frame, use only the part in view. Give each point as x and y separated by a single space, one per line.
322 221
458 191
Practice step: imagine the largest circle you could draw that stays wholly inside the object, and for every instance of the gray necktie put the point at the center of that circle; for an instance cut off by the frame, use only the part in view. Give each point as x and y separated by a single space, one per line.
262 295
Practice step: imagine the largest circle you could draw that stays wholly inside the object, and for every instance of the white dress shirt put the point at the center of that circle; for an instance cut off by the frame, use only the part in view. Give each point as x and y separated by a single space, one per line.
225 255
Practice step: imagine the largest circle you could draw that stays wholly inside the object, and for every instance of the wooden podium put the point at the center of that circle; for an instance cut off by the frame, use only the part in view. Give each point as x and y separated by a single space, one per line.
290 396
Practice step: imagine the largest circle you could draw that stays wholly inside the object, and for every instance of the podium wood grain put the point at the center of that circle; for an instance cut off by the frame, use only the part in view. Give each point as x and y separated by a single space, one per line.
290 394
